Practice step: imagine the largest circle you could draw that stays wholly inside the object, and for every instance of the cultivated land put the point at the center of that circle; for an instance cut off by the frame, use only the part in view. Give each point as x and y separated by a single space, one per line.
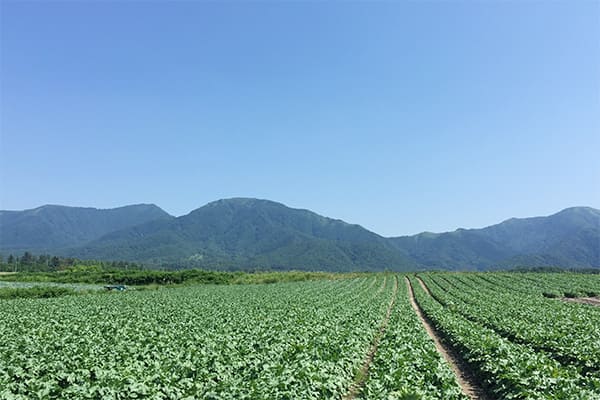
363 336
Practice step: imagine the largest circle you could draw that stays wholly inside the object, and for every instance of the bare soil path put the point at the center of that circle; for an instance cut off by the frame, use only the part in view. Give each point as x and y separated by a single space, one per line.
363 373
382 285
423 285
593 301
466 379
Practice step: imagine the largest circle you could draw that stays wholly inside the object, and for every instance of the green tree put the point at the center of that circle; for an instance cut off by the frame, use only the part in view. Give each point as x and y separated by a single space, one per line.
27 258
54 262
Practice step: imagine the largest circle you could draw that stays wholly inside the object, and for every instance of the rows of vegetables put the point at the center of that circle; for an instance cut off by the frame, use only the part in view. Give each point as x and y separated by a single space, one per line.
407 364
307 340
303 340
522 344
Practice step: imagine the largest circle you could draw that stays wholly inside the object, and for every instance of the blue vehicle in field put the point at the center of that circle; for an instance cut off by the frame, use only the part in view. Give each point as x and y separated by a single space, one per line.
118 288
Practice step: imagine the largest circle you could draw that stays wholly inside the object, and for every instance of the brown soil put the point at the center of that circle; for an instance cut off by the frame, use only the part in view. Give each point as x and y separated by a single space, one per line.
363 374
465 377
593 301
425 288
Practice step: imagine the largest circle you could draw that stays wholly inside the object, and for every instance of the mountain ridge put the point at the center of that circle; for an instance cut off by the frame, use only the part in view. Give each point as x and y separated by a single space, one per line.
527 239
243 233
49 227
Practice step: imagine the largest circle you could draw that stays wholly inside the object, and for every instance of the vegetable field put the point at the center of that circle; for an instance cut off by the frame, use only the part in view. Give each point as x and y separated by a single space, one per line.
359 338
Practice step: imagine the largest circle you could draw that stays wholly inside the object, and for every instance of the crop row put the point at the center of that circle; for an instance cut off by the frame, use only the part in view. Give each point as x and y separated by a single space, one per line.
570 332
548 285
302 340
508 369
284 341
407 364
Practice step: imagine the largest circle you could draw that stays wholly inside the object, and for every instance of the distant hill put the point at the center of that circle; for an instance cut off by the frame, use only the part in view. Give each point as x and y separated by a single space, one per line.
251 233
52 227
244 233
570 238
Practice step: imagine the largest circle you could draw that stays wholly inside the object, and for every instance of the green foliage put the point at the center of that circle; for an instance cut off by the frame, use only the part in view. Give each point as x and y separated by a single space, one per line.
407 364
282 341
522 345
95 275
521 315
299 340
35 292
45 263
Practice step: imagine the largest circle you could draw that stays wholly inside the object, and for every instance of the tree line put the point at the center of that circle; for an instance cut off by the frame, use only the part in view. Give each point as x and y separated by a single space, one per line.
28 262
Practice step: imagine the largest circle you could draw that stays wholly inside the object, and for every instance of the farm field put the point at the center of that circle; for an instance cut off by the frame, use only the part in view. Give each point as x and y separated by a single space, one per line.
498 336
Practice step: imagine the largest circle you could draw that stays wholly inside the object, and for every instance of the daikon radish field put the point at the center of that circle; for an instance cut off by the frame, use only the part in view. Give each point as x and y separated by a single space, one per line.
379 336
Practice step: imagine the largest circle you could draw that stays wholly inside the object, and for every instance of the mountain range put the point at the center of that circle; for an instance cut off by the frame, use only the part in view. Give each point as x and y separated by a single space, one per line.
244 233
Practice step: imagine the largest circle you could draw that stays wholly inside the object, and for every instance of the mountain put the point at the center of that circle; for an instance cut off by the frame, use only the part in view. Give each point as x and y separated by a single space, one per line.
570 238
243 233
51 227
251 233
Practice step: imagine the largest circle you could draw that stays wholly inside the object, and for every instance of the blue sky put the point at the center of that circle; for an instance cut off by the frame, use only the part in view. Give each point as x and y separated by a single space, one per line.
399 116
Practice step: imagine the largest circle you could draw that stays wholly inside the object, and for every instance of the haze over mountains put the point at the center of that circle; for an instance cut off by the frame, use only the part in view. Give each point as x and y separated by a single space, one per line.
244 233
54 227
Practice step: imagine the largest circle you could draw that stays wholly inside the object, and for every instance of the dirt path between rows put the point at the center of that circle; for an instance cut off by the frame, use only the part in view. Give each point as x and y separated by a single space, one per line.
372 283
466 379
593 301
382 285
363 374
423 285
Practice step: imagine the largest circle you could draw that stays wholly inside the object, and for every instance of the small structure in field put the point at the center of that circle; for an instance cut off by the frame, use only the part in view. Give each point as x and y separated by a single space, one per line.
118 288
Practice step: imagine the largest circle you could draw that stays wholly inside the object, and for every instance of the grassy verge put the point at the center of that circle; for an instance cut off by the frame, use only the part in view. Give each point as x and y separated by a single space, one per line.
35 292
149 277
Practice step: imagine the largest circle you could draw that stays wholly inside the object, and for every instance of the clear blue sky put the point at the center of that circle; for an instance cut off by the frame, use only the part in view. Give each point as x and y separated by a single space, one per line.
399 116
